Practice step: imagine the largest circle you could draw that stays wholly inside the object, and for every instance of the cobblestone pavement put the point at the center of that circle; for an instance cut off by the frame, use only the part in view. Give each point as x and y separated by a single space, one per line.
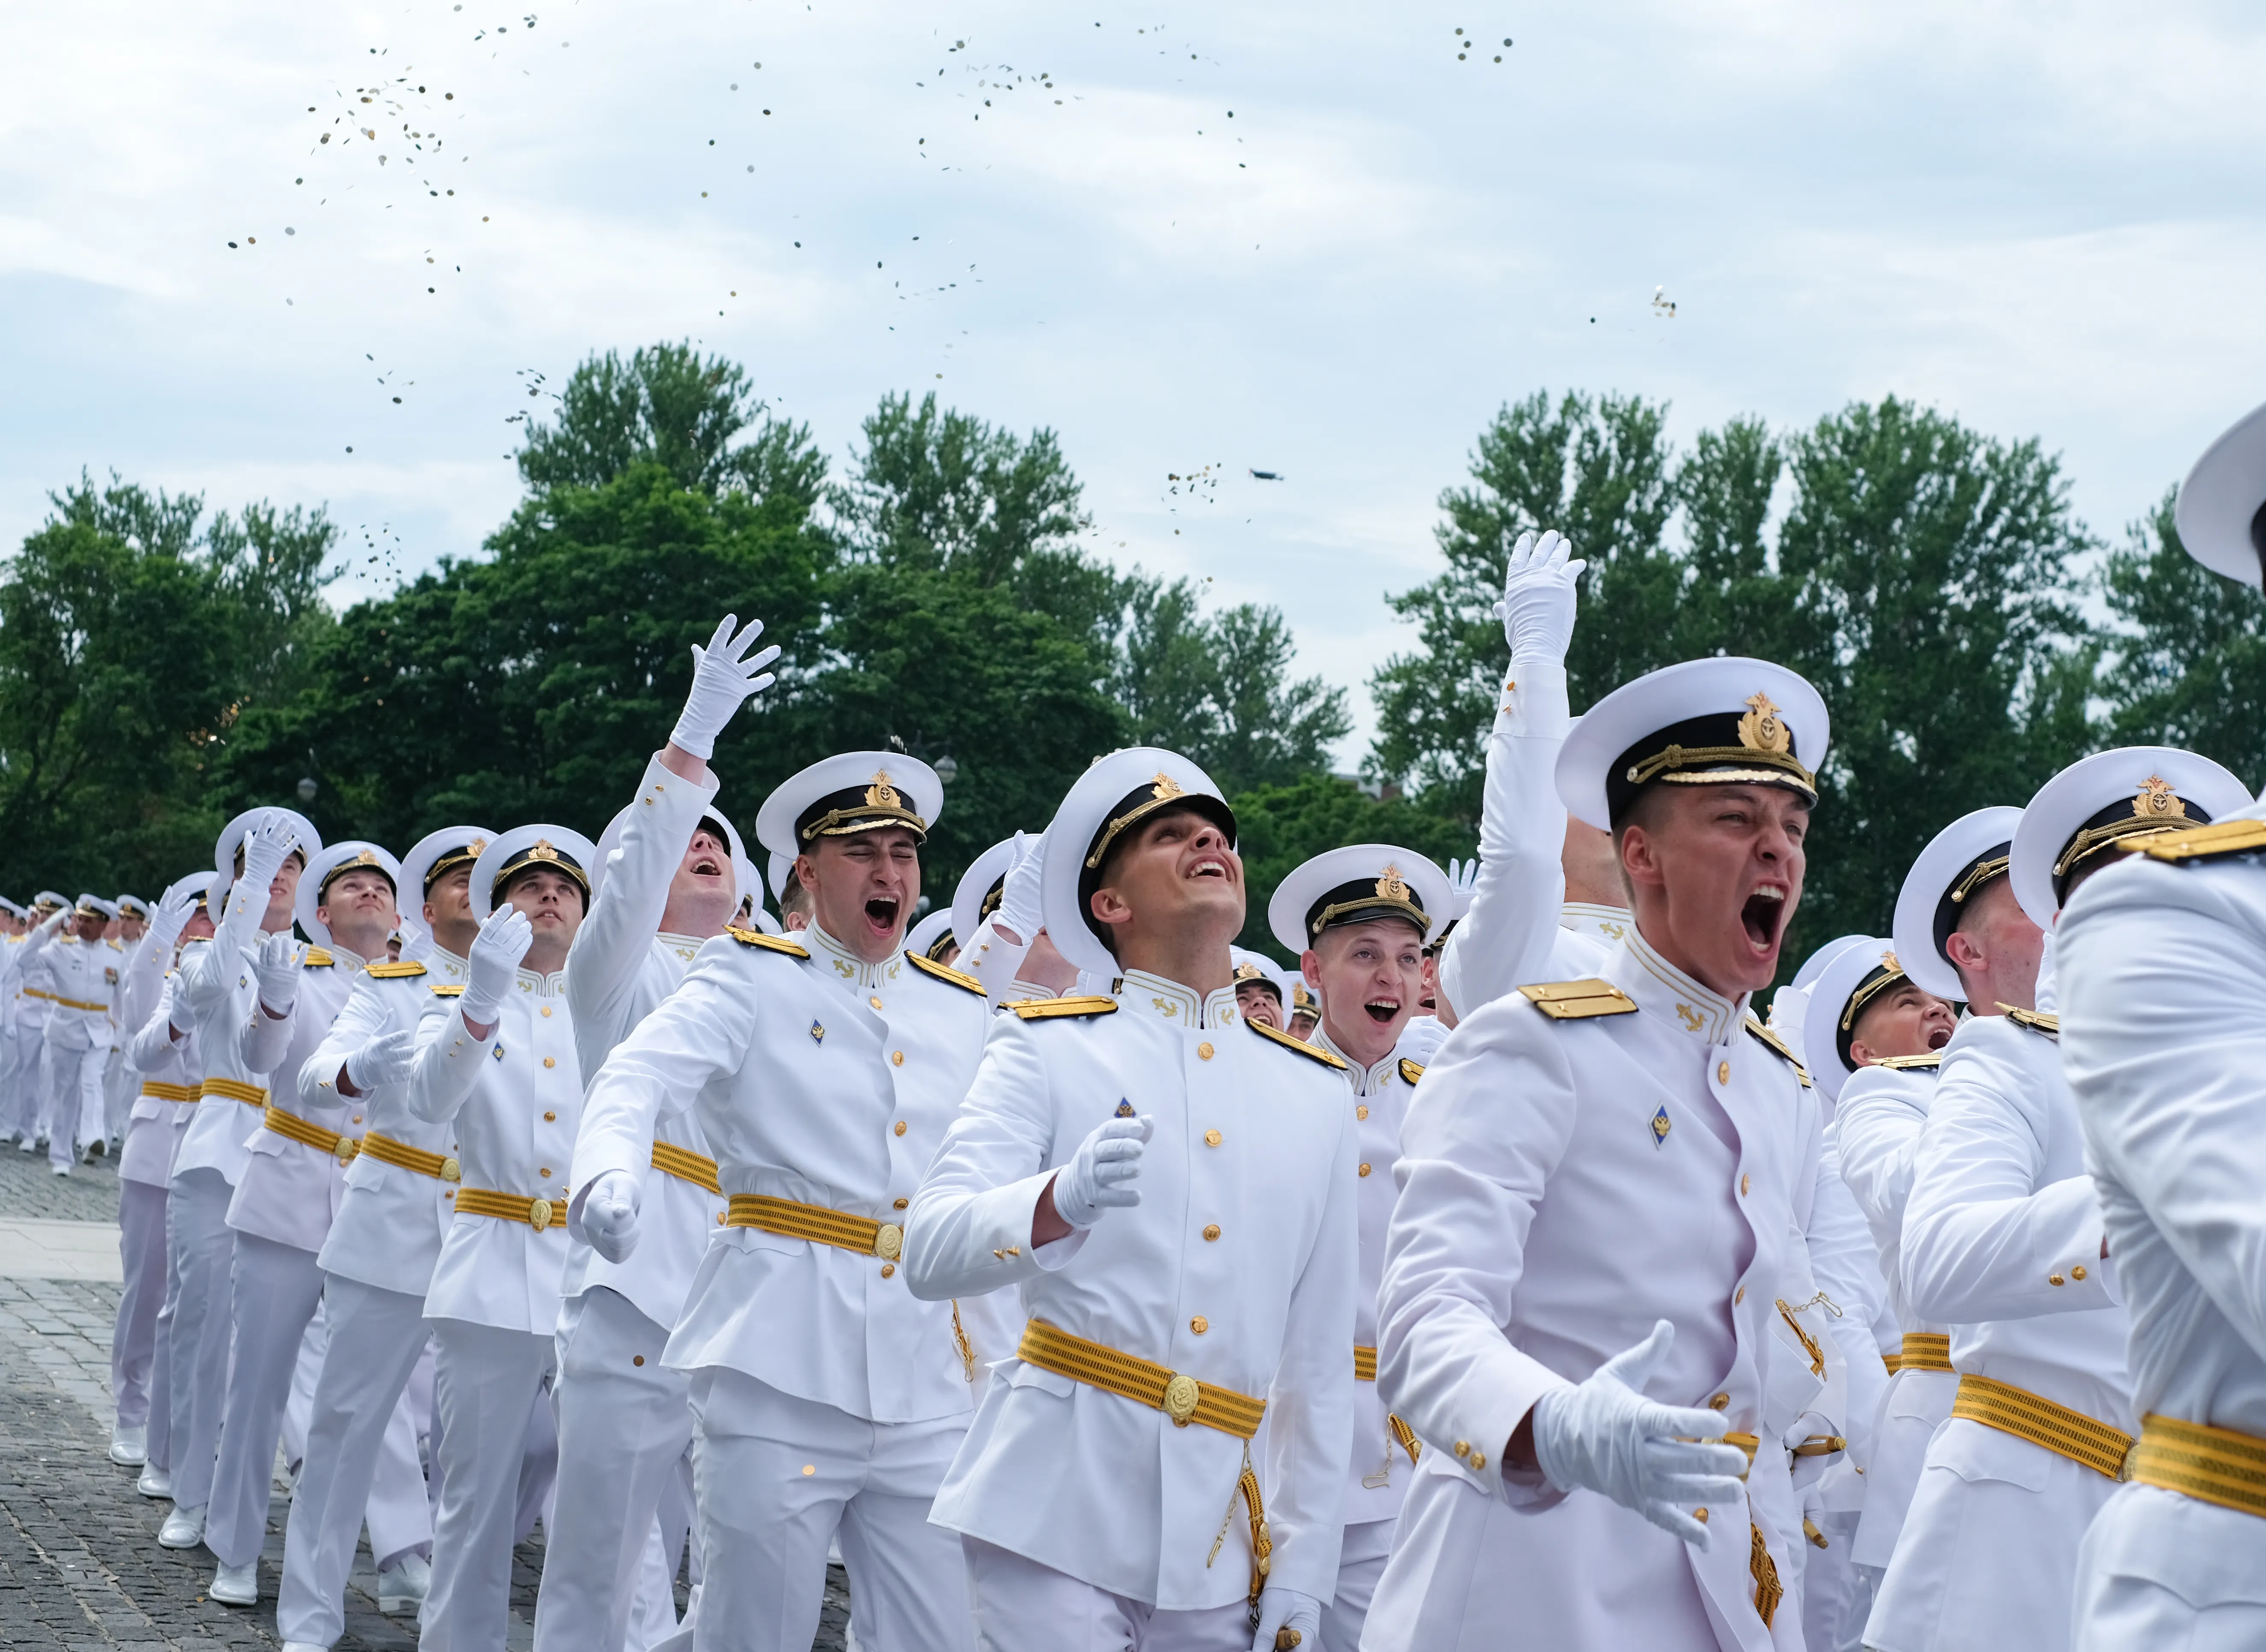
80 1568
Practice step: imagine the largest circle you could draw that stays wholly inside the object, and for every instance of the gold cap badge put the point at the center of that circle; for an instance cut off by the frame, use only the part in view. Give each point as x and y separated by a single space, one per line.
1761 729
2156 800
881 794
1390 886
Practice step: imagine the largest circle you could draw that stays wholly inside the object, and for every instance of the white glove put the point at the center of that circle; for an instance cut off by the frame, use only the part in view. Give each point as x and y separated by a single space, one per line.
1537 609
1287 1619
492 965
1020 908
385 1059
609 1215
723 677
1463 878
55 921
172 918
1101 1176
276 966
266 848
1604 1434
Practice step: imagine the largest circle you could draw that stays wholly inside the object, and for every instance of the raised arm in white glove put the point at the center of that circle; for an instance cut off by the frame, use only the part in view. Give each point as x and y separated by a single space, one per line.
172 918
724 675
1286 1618
609 1215
1101 1176
494 964
1020 910
266 847
1463 878
385 1059
1537 609
276 966
1604 1434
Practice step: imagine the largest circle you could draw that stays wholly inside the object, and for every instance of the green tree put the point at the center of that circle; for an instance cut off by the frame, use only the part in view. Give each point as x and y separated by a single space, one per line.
2189 662
1279 827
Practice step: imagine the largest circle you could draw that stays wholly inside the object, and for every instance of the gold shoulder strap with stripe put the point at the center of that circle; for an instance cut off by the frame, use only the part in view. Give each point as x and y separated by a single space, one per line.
442 990
319 958
1777 1047
1912 1064
1312 1052
1578 1001
401 971
1054 1009
2201 843
1411 1071
950 976
2046 1025
767 943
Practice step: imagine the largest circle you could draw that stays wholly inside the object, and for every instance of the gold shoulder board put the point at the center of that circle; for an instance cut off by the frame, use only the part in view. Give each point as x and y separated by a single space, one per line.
2050 1025
1777 1047
1050 1009
396 971
113 946
1411 1071
768 943
2198 842
1908 1063
319 959
440 991
952 978
1578 1001
1312 1052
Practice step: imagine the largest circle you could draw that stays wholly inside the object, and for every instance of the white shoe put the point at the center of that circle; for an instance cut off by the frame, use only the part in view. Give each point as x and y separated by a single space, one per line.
401 1587
237 1585
63 1170
183 1528
304 1645
129 1448
154 1482
27 1145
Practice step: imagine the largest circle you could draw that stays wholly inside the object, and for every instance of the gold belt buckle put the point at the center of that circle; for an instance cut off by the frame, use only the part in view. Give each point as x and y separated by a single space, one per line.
538 1214
1181 1394
450 1171
889 1241
348 1146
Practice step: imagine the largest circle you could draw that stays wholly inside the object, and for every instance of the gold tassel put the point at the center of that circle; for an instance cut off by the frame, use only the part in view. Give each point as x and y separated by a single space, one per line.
967 1349
1768 1591
1405 1434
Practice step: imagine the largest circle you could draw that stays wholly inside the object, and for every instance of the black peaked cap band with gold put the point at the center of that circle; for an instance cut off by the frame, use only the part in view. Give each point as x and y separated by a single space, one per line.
541 847
1947 879
847 794
1358 884
859 809
1104 807
2108 801
362 860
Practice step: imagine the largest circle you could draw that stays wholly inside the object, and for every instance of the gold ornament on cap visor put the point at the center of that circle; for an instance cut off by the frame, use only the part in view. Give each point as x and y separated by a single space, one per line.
1249 972
541 850
881 794
2156 808
1760 729
1764 751
1390 886
2156 800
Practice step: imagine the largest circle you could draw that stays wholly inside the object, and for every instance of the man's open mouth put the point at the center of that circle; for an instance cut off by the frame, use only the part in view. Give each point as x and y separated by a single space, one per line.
1938 1037
882 914
1761 914
1208 869
1382 1009
707 868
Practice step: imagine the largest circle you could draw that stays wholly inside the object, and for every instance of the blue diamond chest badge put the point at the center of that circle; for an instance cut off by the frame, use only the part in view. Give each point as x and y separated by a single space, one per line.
498 1052
1660 1126
817 1033
1124 1108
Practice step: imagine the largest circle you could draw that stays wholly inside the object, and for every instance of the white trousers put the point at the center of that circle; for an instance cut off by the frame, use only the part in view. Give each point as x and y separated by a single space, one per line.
361 1455
1361 1562
71 1105
1022 1606
201 1254
134 1338
777 1477
487 1384
624 1423
2159 1570
272 1297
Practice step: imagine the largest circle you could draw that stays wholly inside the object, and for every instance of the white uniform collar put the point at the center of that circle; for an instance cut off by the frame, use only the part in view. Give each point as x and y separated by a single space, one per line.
684 946
1608 924
1661 988
542 986
1367 1083
1170 1001
850 968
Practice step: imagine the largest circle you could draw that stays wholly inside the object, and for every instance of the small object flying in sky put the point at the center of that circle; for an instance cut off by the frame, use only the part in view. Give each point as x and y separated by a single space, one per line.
1662 304
1267 476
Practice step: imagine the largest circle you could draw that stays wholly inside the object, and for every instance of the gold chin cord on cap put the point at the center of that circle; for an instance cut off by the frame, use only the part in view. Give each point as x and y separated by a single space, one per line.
1765 752
1978 874
2156 808
1163 790
884 806
1891 972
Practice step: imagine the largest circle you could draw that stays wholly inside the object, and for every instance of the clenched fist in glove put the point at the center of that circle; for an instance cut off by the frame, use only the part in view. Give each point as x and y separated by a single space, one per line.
609 1215
1537 609
1287 1619
1101 1176
724 675
493 964
1659 1460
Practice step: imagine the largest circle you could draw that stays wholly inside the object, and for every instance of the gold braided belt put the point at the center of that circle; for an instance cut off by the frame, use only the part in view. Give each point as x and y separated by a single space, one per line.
291 1127
1894 1362
73 1003
2042 1421
1364 1363
157 1091
402 1156
511 1207
813 1222
1178 1395
686 1165
235 1090
1925 1350
2217 1466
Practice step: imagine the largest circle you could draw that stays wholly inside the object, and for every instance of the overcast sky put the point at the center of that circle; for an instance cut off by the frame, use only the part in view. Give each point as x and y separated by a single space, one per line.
1321 239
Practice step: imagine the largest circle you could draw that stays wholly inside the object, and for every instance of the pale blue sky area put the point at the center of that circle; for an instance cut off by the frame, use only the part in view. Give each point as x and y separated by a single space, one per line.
2045 219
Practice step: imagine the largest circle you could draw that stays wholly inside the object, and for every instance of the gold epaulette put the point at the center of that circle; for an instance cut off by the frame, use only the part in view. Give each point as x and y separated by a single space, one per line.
950 977
1907 1063
317 958
768 943
1578 1001
2199 843
1411 1071
113 946
2050 1025
401 971
1777 1047
1312 1052
443 990
1051 1009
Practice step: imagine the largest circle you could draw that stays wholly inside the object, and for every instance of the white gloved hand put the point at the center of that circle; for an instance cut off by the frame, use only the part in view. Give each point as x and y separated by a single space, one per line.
1606 1435
267 846
723 676
276 966
493 964
384 1060
1287 1619
1463 878
55 920
1537 609
609 1215
1101 1176
172 917
1020 909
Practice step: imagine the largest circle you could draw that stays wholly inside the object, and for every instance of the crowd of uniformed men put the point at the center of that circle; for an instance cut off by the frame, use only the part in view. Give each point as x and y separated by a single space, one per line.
1489 1276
